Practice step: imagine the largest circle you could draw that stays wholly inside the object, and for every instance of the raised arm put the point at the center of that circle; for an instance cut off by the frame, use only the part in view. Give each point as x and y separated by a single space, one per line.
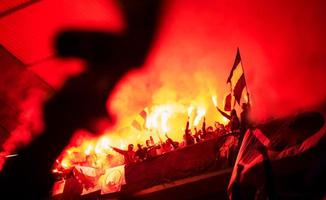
123 152
204 126
224 114
187 126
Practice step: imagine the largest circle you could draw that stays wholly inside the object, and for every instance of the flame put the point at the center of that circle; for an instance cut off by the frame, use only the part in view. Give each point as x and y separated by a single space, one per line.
102 145
214 99
200 114
122 144
190 109
164 122
89 149
167 118
225 120
65 163
158 118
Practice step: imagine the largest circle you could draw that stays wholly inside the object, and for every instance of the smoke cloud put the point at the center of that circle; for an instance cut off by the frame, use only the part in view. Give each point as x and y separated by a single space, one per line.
281 44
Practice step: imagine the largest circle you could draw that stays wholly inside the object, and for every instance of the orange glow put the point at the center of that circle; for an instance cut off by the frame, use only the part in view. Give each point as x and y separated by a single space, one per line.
214 99
89 149
103 145
122 144
65 163
190 110
225 120
166 118
245 96
158 119
200 114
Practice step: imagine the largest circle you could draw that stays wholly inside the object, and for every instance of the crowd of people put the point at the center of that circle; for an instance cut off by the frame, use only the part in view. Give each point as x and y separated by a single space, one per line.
86 172
231 136
234 130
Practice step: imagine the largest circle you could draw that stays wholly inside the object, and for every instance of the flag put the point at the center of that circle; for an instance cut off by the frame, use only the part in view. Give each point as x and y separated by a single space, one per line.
87 177
240 85
139 122
227 102
237 78
282 140
113 179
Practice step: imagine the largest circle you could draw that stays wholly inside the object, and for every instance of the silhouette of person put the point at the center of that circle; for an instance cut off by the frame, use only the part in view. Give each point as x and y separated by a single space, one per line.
244 120
82 100
234 120
129 155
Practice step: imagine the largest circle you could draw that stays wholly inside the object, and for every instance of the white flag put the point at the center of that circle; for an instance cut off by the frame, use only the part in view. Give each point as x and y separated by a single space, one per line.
113 179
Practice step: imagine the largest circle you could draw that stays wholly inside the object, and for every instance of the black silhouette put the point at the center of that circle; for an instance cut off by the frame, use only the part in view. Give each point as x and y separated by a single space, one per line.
83 98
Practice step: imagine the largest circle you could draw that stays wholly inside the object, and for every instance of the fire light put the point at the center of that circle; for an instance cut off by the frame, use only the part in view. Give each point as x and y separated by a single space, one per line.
122 144
164 124
190 109
65 163
225 120
167 118
214 99
89 149
102 145
200 114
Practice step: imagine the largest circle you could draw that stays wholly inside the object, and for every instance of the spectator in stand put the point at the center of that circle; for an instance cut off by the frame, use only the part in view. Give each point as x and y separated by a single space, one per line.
197 135
152 143
159 149
148 143
166 147
222 130
244 119
226 151
171 143
188 139
203 128
209 132
129 155
230 146
141 153
219 129
234 120
151 151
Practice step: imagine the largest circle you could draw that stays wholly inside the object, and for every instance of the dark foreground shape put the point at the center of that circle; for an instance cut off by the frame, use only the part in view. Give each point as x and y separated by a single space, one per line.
82 100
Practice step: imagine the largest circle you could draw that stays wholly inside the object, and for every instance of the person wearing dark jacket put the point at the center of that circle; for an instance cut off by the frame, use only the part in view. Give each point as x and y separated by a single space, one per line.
244 119
129 155
234 120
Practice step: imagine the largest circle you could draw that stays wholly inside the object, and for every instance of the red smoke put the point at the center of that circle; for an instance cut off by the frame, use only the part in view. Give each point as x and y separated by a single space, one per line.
282 45
30 121
29 124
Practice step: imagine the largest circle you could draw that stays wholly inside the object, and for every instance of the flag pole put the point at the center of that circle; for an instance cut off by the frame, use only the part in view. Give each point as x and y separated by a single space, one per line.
231 92
244 75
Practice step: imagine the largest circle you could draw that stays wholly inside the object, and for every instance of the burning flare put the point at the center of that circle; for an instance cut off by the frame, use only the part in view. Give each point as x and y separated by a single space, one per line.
159 121
214 99
190 109
201 111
